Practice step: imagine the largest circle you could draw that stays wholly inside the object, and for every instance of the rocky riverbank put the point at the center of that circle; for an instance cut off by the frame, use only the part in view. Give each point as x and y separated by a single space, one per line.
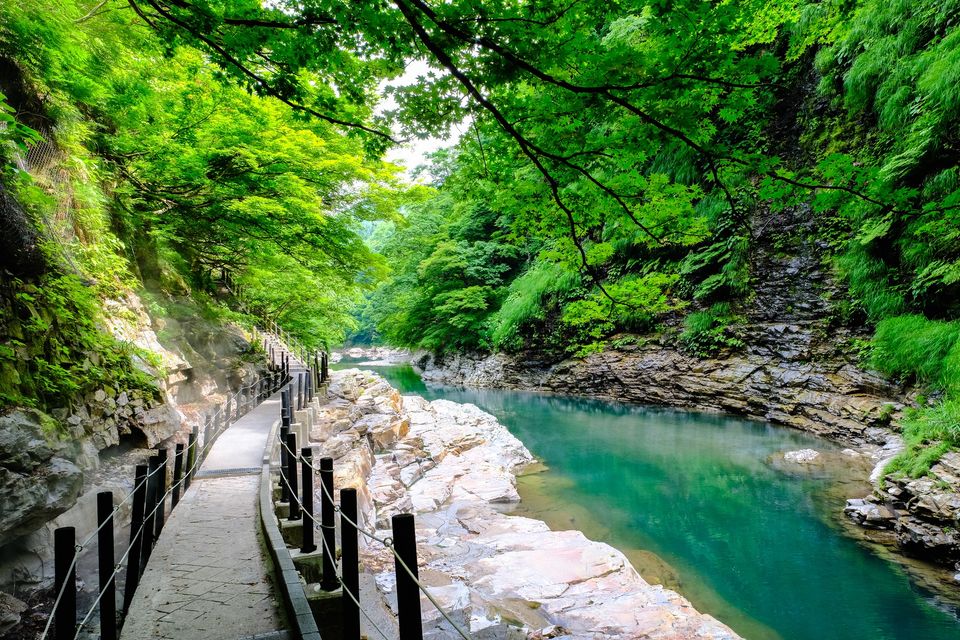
499 575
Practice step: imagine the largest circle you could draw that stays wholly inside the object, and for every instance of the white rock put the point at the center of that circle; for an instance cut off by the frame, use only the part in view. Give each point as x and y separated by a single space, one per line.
502 576
802 456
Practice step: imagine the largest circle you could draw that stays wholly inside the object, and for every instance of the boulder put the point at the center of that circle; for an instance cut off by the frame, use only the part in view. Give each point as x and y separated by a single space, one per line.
37 480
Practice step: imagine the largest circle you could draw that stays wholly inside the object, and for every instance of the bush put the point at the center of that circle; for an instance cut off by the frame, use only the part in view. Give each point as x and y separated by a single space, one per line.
868 279
529 300
707 332
912 347
928 433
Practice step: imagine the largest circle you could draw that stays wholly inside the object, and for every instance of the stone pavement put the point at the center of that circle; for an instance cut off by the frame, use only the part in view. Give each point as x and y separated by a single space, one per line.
208 575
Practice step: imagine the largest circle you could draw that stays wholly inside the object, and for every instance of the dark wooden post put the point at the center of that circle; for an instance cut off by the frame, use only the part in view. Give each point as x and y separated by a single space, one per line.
191 457
350 564
136 535
408 593
284 487
105 556
207 436
329 580
177 475
161 492
150 512
306 476
300 377
285 419
291 442
65 582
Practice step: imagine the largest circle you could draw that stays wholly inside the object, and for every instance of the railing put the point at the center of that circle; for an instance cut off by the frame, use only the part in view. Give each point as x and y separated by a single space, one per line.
402 544
149 496
294 346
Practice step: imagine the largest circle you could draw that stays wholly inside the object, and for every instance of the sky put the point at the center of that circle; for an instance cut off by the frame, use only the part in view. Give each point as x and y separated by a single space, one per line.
414 153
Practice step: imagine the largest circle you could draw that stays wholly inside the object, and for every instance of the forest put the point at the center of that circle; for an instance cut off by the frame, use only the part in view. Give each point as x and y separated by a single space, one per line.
616 163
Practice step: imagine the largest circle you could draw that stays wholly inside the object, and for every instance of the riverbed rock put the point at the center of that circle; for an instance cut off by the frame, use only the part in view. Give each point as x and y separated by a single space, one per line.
801 456
10 611
497 575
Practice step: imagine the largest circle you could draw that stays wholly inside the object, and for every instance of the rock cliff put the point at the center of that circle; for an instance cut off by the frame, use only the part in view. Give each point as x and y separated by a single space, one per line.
797 368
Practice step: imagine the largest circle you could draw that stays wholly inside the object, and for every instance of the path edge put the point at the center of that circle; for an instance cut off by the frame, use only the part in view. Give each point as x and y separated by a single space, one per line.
295 598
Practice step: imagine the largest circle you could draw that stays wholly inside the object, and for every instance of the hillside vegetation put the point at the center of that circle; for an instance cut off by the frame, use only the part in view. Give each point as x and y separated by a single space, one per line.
614 161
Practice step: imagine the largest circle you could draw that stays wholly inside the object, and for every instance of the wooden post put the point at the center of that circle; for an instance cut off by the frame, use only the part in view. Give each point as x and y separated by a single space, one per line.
177 475
136 535
150 513
284 490
105 556
191 457
329 581
161 492
291 442
350 564
408 593
65 581
306 476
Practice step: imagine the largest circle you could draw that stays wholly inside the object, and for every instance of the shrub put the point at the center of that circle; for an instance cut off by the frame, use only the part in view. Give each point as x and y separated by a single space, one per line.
928 433
707 332
913 347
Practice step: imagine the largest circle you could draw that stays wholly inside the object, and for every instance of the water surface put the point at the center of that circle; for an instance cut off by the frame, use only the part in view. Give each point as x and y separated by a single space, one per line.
697 503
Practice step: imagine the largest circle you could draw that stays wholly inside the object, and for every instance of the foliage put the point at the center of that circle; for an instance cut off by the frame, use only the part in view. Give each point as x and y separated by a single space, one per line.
928 434
56 349
913 347
708 332
533 299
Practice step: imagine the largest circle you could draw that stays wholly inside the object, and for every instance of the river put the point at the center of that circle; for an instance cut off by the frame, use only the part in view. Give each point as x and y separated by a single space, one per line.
702 504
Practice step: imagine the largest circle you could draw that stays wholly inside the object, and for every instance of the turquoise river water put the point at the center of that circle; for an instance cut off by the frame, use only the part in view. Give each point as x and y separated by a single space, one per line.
698 503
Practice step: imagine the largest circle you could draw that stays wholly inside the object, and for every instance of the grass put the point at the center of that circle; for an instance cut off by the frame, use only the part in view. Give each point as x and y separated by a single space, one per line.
928 433
915 349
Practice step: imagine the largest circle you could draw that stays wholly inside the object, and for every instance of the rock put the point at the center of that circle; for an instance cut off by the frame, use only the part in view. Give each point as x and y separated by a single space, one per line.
37 481
498 575
10 611
802 456
868 514
31 499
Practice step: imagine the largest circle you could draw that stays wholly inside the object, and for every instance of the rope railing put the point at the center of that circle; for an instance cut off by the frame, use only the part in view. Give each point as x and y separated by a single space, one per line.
332 554
386 542
194 453
161 503
289 342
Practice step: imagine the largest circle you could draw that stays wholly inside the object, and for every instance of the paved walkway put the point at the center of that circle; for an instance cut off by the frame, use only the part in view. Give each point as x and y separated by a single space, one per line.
208 577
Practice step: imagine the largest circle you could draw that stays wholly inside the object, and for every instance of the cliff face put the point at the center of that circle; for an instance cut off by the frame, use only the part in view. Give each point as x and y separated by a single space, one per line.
797 368
52 466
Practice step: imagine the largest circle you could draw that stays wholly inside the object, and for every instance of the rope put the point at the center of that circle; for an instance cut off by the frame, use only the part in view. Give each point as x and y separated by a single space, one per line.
386 542
336 572
199 458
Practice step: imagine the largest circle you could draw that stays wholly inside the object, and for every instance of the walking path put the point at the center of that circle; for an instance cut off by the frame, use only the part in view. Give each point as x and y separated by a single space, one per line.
207 576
